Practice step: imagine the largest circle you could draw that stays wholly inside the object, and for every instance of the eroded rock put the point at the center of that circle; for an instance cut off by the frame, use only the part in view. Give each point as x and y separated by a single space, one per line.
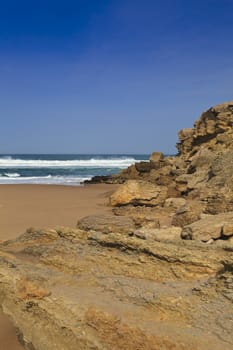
139 193
159 234
106 223
100 291
213 227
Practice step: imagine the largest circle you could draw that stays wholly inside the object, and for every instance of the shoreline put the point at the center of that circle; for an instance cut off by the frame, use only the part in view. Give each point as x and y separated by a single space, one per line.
44 206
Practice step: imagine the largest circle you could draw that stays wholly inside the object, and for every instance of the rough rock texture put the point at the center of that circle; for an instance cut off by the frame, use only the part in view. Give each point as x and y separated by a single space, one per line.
152 217
139 193
209 130
202 171
71 289
187 213
159 234
156 157
107 223
203 168
207 150
212 227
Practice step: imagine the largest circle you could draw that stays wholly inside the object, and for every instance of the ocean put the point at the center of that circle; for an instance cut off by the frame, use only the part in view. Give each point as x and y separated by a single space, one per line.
60 169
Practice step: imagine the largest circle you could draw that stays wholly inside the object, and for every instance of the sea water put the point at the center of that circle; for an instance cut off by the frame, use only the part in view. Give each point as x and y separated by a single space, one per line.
69 169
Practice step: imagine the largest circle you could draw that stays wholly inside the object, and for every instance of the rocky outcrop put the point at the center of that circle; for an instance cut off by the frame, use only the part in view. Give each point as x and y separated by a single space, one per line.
187 213
152 217
202 171
214 129
148 276
212 227
139 193
159 234
107 223
83 289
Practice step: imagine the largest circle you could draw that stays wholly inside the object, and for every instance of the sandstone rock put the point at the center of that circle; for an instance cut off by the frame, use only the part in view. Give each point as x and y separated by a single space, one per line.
159 234
213 227
141 215
127 281
175 203
188 213
156 157
227 229
106 223
103 290
139 193
181 184
27 289
143 167
217 120
202 170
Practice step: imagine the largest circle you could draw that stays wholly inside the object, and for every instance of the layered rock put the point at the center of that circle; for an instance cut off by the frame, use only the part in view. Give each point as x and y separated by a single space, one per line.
213 128
107 223
139 193
201 172
83 289
212 227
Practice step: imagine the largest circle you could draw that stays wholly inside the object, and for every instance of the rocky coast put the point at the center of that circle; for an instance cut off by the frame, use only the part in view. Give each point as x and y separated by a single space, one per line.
153 272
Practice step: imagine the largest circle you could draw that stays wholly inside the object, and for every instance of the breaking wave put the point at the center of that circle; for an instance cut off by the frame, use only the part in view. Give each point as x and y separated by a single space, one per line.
61 169
75 163
46 180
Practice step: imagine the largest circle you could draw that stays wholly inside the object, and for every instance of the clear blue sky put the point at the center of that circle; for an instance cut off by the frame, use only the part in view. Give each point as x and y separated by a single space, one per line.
110 76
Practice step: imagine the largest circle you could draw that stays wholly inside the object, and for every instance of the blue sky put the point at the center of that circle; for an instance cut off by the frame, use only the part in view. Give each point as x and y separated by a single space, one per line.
110 76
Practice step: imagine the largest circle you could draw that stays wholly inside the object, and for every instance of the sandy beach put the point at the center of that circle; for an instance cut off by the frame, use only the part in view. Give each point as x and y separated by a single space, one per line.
40 206
23 206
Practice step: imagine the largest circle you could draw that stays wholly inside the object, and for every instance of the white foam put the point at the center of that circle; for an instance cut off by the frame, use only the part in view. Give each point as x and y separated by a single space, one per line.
47 180
89 163
12 174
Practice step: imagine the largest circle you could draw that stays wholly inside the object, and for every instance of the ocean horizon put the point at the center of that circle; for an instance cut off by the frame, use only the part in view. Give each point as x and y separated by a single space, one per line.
62 169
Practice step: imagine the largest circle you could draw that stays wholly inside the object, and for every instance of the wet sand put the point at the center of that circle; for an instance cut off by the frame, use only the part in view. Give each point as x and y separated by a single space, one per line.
40 206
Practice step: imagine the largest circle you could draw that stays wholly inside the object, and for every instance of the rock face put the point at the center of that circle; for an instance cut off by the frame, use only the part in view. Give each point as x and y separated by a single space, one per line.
213 227
107 223
214 127
139 193
202 171
187 213
71 289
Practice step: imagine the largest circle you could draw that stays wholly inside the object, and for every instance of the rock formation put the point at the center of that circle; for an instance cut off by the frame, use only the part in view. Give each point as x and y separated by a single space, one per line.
201 173
155 274
71 289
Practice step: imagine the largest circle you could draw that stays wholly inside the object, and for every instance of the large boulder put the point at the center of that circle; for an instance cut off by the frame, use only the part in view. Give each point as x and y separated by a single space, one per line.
212 227
156 157
139 192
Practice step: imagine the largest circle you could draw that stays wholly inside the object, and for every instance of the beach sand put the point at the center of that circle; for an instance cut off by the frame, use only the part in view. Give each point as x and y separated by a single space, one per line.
41 206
